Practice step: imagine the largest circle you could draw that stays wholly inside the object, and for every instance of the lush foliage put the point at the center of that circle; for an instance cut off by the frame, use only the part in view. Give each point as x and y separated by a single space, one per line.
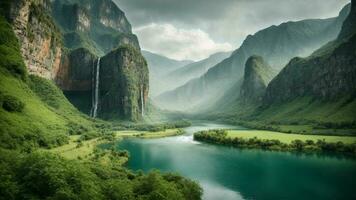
221 137
47 176
11 103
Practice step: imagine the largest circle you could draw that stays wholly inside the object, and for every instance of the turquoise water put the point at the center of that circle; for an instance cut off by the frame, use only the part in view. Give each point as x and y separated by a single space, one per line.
228 173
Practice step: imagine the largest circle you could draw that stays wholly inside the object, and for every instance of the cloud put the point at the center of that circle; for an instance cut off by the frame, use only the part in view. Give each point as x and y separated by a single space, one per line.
226 20
177 43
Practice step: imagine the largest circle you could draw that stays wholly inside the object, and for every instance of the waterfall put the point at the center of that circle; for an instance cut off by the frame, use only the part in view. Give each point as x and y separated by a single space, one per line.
142 103
95 98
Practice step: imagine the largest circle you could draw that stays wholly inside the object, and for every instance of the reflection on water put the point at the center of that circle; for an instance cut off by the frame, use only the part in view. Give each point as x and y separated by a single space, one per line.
228 173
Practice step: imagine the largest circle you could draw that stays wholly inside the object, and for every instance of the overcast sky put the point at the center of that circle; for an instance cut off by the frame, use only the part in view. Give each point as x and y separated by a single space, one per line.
194 29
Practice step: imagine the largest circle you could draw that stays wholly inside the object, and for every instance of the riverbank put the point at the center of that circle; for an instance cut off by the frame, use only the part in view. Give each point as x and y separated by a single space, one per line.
77 148
276 141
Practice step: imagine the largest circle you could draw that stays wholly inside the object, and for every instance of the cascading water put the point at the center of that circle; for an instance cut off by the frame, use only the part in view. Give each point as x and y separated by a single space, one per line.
142 103
95 98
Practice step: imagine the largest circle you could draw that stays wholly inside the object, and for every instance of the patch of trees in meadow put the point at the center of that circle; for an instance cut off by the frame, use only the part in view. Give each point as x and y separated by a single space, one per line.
309 146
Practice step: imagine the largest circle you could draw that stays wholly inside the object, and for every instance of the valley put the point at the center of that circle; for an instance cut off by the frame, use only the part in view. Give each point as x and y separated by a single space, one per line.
92 109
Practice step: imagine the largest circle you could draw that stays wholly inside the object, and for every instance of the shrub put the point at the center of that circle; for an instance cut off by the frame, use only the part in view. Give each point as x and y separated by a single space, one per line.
12 104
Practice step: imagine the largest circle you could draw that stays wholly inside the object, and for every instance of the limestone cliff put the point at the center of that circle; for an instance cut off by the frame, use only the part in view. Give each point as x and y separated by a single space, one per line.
41 42
124 84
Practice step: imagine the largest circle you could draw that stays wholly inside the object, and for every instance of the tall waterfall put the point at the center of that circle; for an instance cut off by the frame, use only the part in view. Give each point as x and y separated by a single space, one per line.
142 103
95 98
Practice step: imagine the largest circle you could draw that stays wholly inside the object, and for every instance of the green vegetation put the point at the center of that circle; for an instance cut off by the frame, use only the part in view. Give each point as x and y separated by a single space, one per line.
11 59
11 104
47 176
150 134
222 137
287 137
35 117
84 147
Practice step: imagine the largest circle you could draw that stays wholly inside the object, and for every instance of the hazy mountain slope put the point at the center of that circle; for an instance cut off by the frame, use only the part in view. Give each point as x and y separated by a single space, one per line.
325 78
182 75
159 66
277 44
248 93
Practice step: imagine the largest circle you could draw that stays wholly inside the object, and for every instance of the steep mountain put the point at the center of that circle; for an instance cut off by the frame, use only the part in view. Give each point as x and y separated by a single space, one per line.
277 44
69 37
327 77
256 78
123 84
97 25
159 66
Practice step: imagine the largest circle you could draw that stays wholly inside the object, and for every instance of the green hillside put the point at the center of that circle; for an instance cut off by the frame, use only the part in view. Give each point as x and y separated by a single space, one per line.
34 114
45 117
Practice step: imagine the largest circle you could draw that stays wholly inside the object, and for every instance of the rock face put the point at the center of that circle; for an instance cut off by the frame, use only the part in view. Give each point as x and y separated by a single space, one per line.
256 78
41 42
98 25
124 84
90 29
277 44
328 74
93 29
76 71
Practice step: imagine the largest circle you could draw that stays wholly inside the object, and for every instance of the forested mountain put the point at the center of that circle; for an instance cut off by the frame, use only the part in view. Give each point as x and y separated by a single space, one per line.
276 44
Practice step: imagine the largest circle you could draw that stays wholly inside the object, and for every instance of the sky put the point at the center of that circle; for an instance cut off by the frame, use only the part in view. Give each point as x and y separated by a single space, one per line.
195 29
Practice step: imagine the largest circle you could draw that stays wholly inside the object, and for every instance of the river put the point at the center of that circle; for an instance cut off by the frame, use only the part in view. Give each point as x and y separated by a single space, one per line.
232 174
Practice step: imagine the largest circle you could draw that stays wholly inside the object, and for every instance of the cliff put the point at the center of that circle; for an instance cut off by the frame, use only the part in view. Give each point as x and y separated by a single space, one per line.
124 84
41 41
98 25
63 39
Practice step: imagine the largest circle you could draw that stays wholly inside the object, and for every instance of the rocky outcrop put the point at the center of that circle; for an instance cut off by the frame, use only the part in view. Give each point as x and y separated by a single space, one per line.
328 74
256 78
41 42
124 84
